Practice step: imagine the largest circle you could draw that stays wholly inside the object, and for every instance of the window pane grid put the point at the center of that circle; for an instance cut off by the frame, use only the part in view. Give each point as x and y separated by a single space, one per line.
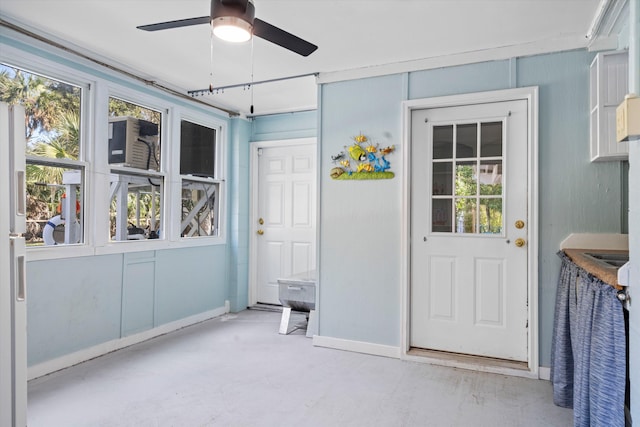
200 201
474 198
54 167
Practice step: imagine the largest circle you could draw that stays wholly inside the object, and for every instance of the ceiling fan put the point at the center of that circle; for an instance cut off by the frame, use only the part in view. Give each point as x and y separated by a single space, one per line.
234 20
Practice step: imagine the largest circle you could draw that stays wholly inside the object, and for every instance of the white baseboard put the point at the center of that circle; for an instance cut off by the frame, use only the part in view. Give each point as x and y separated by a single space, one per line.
544 373
71 359
357 346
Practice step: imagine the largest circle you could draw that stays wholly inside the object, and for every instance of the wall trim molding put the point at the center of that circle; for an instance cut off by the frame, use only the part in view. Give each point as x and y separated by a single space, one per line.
357 346
559 44
544 373
86 354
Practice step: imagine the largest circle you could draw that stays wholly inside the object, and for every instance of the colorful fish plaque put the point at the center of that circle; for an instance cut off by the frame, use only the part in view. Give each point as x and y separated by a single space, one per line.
363 160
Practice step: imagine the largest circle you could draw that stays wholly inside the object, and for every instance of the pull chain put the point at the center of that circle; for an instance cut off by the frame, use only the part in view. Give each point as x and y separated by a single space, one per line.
251 108
211 60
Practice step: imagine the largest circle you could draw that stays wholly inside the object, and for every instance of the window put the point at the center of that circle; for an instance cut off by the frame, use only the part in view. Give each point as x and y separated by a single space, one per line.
200 201
200 207
467 178
55 167
136 177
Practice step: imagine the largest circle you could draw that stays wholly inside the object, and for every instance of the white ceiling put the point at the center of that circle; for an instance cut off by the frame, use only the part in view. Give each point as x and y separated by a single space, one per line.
355 38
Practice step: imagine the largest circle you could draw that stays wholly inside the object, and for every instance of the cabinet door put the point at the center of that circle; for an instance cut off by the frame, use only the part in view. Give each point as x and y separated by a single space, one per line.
609 81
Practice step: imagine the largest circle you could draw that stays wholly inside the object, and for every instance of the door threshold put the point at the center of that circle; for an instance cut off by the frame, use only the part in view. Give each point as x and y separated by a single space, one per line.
474 363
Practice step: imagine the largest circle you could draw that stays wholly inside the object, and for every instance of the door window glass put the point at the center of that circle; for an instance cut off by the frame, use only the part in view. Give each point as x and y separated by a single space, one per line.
467 181
443 142
466 141
442 178
491 139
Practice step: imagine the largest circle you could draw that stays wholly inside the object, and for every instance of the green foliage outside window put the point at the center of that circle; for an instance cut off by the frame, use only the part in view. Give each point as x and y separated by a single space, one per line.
490 208
52 123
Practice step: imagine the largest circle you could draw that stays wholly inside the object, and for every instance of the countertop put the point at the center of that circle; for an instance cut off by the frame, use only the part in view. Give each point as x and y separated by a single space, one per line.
608 275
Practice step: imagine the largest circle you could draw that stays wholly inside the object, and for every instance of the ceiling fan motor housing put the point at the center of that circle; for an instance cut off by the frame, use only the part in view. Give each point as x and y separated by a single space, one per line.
242 9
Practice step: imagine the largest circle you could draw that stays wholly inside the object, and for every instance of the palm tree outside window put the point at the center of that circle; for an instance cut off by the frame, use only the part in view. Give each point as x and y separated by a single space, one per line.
55 167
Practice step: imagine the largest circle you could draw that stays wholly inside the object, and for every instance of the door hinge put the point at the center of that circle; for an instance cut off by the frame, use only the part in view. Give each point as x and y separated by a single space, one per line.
259 151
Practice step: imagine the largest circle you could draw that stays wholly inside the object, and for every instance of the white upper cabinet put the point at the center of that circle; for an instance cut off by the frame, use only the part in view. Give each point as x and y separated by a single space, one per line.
609 82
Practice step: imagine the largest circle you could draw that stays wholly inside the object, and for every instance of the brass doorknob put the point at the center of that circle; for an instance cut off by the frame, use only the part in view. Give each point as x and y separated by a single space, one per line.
519 224
261 221
520 242
260 232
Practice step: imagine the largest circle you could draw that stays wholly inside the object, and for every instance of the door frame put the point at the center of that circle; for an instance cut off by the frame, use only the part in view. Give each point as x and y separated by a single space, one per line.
253 205
530 94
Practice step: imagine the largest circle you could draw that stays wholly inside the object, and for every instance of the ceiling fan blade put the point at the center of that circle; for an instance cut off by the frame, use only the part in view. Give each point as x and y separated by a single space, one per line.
175 24
282 38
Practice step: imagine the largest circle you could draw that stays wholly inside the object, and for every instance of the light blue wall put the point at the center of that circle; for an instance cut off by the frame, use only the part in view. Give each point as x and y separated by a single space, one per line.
576 196
361 220
77 303
284 126
72 304
239 214
470 78
189 281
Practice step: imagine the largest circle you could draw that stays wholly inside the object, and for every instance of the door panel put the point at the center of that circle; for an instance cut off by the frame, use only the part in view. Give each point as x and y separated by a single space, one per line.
442 287
489 292
469 185
285 240
302 215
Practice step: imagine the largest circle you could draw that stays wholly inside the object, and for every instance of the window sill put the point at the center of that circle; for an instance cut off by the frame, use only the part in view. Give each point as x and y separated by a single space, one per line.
75 251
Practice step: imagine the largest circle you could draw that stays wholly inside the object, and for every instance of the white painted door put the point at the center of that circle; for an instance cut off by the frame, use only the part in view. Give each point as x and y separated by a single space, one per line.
13 321
468 219
284 223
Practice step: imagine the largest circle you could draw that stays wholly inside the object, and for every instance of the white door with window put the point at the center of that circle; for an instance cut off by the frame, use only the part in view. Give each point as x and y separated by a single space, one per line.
284 214
469 204
13 310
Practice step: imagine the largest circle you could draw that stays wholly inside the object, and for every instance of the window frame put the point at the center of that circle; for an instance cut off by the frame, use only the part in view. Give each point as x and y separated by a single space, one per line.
150 103
57 72
219 178
98 84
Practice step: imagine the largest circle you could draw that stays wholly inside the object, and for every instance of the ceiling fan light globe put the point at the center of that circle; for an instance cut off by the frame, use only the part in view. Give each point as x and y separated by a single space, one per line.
231 29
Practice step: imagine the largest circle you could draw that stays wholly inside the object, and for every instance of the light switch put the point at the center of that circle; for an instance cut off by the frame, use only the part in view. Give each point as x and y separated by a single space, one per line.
628 118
